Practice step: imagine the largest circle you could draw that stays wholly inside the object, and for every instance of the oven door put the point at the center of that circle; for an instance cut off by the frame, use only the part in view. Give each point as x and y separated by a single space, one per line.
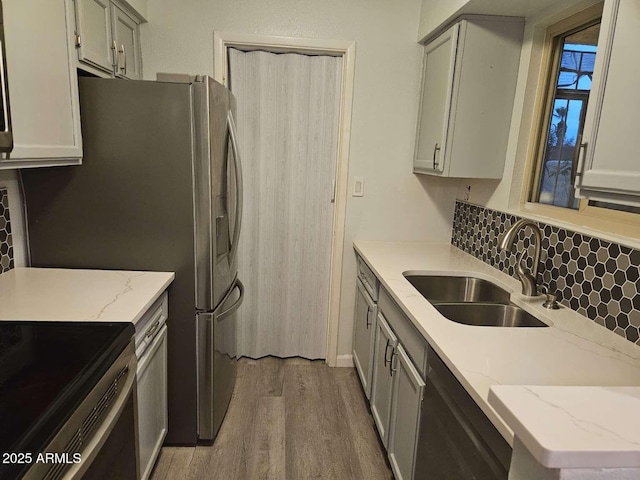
100 439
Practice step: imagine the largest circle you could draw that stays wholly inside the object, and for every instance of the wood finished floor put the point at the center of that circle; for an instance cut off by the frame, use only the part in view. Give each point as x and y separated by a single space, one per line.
289 419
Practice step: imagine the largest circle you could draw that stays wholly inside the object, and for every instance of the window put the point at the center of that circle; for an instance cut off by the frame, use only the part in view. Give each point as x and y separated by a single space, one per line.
568 62
573 56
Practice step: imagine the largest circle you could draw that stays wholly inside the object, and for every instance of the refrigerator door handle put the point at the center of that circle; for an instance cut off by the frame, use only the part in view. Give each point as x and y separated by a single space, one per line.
229 311
238 166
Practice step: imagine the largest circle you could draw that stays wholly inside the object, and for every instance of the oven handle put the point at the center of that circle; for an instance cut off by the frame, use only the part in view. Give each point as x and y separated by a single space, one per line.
100 436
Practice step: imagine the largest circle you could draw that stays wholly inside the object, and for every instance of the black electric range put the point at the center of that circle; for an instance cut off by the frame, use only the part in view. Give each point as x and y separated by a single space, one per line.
46 369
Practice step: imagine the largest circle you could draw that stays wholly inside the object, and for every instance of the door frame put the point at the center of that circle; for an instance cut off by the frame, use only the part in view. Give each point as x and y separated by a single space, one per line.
222 41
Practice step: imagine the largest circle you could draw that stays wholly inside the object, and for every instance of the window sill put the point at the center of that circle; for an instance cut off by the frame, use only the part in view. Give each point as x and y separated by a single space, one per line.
581 223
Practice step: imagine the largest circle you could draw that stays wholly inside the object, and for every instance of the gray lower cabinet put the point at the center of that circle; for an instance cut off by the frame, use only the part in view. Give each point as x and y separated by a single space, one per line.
397 386
382 384
406 406
363 335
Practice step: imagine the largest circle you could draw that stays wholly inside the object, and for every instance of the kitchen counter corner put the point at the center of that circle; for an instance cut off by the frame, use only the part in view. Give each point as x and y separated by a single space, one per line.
55 294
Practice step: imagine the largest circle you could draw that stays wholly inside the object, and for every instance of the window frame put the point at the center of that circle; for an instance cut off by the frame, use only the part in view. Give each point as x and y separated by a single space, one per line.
599 218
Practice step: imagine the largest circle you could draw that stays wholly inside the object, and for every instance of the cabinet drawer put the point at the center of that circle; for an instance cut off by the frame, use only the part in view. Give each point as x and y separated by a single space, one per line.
368 279
151 321
414 344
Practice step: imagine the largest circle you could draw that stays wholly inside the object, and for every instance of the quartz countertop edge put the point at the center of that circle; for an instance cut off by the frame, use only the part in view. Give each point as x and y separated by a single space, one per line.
573 427
573 350
60 294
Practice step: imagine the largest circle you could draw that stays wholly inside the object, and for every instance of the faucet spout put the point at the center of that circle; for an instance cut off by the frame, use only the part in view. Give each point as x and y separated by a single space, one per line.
527 279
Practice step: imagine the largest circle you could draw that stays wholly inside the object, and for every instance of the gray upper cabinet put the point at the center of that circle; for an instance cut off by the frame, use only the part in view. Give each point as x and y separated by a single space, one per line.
93 29
108 39
43 84
127 40
468 86
439 60
608 167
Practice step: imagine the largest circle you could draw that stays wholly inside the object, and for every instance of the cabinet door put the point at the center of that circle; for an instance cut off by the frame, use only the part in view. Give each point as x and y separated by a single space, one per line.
610 150
404 424
385 343
152 402
363 334
93 24
43 83
126 37
435 102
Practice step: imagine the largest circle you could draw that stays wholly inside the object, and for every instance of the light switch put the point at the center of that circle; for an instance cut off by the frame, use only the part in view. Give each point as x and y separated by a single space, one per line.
358 187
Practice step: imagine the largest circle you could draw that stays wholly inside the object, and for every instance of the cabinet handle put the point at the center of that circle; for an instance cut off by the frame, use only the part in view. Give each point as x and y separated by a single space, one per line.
386 349
124 60
369 310
578 160
436 149
114 51
153 329
394 354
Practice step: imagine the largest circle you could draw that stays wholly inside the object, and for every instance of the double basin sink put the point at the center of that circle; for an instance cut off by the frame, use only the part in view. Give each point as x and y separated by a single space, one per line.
472 301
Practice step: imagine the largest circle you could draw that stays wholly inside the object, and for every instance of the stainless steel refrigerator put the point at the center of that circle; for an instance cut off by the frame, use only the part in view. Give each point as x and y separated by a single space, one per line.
160 188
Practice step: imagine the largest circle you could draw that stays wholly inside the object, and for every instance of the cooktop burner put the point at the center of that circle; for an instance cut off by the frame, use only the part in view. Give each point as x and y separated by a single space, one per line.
46 369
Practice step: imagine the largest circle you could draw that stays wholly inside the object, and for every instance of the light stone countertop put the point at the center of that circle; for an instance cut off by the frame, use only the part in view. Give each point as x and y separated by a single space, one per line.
55 294
573 427
573 351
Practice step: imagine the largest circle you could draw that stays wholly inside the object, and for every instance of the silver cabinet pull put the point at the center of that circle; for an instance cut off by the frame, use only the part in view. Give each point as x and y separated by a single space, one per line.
153 329
369 310
394 354
436 149
124 59
578 160
386 349
114 53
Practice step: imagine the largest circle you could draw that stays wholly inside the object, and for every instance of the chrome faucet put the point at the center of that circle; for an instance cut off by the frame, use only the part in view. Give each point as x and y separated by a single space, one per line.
528 279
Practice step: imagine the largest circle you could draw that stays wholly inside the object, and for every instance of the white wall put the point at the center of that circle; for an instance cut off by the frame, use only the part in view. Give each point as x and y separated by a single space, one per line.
397 204
140 6
436 12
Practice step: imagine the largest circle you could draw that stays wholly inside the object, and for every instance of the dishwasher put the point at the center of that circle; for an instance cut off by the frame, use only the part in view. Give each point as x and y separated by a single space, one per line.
151 352
456 440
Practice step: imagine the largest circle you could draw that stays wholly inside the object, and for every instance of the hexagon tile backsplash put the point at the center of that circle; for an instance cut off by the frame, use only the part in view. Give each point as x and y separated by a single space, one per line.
597 278
6 242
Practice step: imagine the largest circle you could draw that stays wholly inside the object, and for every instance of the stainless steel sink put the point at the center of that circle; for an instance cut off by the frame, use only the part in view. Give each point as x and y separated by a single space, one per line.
488 315
443 289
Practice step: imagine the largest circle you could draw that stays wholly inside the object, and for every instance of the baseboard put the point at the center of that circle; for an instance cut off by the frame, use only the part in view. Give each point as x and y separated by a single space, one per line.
344 361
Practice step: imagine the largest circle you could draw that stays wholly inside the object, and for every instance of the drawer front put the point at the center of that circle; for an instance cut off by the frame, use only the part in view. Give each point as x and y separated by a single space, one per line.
414 344
368 279
151 321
